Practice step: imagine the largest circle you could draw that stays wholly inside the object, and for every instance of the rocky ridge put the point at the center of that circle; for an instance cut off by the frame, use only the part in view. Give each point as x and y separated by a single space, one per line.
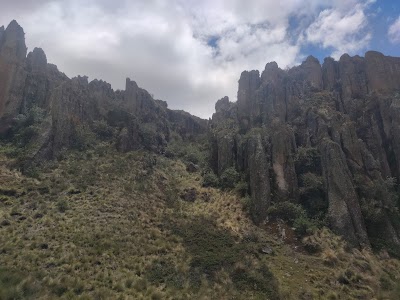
325 136
73 106
322 136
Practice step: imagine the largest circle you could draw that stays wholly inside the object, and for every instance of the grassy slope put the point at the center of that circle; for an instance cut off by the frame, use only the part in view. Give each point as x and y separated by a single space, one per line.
107 225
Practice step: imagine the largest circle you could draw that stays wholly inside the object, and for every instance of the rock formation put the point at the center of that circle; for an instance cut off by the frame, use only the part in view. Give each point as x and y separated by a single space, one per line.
12 71
73 107
338 121
322 136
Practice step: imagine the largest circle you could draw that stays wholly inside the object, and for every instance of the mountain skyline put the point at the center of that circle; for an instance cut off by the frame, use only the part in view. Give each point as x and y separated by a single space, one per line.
189 54
110 194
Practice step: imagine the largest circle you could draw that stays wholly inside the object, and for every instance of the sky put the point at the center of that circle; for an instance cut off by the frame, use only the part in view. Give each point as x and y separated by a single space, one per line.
191 53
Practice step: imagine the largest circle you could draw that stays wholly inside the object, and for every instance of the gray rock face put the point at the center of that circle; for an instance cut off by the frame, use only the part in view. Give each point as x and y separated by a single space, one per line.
283 147
258 169
339 121
138 100
382 72
226 154
224 110
346 112
344 209
72 106
12 72
309 71
330 74
37 84
249 82
1 35
185 124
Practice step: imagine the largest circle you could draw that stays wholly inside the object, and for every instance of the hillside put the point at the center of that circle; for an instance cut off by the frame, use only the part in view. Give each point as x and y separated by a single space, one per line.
104 225
289 193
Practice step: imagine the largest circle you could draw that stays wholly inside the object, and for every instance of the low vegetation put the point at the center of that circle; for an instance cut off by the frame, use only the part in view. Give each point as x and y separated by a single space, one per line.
99 224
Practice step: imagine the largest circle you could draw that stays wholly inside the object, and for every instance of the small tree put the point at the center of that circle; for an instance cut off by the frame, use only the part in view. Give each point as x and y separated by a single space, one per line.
229 178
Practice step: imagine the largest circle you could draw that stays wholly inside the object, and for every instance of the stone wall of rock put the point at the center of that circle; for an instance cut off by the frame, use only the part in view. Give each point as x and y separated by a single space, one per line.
12 72
72 105
347 110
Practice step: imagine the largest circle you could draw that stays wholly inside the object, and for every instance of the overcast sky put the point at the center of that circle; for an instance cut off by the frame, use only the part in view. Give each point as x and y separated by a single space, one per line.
191 53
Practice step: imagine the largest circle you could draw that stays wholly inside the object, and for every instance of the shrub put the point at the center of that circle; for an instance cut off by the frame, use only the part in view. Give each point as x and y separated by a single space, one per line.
102 130
26 135
304 225
242 188
308 160
246 201
286 211
385 282
82 137
210 248
213 249
62 205
312 195
210 180
193 152
14 286
229 178
294 215
260 280
193 157
162 271
149 136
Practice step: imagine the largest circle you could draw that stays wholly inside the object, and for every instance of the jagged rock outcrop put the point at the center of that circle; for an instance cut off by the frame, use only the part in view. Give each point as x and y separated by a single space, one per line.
339 121
382 72
1 33
258 169
185 124
75 108
344 208
325 136
283 147
248 109
12 72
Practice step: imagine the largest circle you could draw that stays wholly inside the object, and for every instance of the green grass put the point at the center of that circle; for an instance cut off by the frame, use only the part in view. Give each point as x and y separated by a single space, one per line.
13 286
104 225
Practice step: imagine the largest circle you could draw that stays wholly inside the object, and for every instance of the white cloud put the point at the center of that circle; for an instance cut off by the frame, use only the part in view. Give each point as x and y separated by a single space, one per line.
345 31
394 32
165 45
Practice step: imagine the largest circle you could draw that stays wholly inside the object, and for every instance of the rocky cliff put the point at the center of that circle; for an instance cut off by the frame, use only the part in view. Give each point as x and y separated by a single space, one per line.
63 112
323 136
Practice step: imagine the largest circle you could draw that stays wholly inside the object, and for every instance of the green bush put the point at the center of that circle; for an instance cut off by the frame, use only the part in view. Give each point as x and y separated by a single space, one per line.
192 152
294 215
14 286
242 188
193 157
149 135
26 135
62 205
286 211
210 248
307 160
379 201
163 271
213 249
259 280
26 126
102 130
385 282
82 137
304 225
210 180
229 178
312 195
